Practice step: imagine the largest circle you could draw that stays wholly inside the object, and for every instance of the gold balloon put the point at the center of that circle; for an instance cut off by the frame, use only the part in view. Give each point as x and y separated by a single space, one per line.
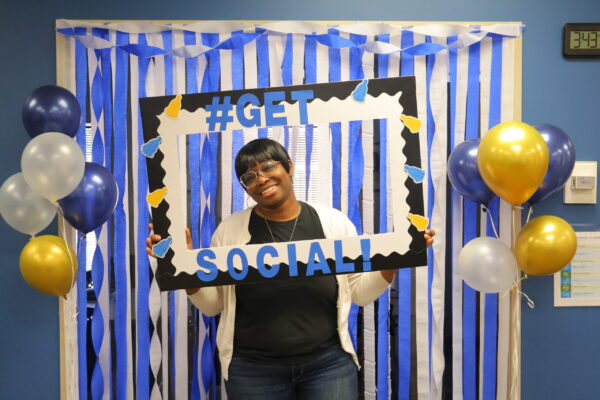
49 265
545 245
513 160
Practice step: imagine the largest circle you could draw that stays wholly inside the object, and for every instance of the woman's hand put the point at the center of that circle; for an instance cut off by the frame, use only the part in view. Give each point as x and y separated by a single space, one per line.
388 274
153 239
429 234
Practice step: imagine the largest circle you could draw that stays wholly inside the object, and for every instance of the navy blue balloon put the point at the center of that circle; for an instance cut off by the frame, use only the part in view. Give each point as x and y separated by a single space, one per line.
464 174
92 202
51 109
561 163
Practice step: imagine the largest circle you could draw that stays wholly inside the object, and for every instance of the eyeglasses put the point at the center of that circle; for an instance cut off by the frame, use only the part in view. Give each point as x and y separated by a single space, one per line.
265 169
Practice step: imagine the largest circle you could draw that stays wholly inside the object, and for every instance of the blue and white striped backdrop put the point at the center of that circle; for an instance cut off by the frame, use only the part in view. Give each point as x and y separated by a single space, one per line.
428 337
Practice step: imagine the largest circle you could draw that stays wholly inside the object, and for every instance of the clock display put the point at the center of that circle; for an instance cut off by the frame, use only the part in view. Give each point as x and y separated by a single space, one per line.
581 40
584 39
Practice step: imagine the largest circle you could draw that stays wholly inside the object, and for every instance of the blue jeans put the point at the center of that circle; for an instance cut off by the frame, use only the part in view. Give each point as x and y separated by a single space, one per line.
332 375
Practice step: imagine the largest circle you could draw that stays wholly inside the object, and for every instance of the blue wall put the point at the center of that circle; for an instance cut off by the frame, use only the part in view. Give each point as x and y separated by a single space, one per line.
560 346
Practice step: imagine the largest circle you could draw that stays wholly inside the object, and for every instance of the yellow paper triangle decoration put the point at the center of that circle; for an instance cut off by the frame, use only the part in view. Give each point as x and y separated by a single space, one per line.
172 110
156 197
413 124
418 221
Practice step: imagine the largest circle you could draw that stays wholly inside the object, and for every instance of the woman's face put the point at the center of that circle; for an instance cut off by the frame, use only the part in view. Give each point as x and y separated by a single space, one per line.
274 190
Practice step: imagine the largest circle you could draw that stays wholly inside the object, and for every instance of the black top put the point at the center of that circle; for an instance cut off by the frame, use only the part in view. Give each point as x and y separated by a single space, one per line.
285 321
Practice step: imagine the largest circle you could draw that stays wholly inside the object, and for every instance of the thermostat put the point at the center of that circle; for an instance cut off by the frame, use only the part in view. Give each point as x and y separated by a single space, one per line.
583 182
581 186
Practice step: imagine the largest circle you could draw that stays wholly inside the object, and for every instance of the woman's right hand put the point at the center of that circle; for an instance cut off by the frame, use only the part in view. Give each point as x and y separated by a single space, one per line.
153 239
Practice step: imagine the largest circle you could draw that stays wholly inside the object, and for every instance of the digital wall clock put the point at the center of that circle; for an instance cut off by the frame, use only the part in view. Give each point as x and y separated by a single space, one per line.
581 40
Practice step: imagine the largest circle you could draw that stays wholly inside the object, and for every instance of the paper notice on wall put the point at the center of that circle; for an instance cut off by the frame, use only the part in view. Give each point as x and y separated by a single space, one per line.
578 284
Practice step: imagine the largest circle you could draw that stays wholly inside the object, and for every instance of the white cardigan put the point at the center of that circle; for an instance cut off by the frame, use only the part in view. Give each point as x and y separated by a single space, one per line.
359 288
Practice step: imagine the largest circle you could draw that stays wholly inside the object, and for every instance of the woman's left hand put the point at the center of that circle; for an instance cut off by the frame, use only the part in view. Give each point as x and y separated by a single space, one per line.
388 274
429 234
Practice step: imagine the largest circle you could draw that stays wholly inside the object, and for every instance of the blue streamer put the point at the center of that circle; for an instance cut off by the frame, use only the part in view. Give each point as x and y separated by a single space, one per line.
238 41
206 173
120 256
431 189
193 146
143 50
490 340
286 137
167 37
189 38
108 153
356 158
237 76
237 65
207 363
288 59
97 328
82 318
336 163
383 302
209 173
329 39
335 72
355 170
237 201
143 267
453 71
405 275
97 323
332 40
262 54
310 60
496 83
470 212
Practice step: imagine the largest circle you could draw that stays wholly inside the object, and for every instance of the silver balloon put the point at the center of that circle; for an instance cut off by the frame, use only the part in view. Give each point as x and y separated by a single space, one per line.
52 165
22 208
487 265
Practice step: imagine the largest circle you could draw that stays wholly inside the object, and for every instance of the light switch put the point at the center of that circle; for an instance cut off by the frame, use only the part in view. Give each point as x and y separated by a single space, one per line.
581 186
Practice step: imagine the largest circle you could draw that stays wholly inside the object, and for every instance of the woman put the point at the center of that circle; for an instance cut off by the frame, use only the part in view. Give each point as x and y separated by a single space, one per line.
285 339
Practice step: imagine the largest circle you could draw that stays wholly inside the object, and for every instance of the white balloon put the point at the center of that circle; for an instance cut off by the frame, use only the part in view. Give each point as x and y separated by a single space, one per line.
22 208
487 265
52 165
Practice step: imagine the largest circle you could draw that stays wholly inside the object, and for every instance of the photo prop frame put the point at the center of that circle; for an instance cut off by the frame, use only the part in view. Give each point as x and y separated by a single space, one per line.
165 118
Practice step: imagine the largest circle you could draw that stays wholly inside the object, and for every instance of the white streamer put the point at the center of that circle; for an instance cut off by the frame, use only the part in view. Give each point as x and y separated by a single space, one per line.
467 34
299 27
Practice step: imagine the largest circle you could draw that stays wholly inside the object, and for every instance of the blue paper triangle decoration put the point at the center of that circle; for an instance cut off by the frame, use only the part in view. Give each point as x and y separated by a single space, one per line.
150 148
417 174
360 93
161 248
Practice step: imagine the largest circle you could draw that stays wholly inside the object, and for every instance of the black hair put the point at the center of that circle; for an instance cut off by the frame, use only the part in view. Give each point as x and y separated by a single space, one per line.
258 151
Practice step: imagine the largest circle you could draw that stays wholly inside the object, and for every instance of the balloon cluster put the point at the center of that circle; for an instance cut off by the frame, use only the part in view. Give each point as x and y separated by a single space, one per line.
521 164
54 174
